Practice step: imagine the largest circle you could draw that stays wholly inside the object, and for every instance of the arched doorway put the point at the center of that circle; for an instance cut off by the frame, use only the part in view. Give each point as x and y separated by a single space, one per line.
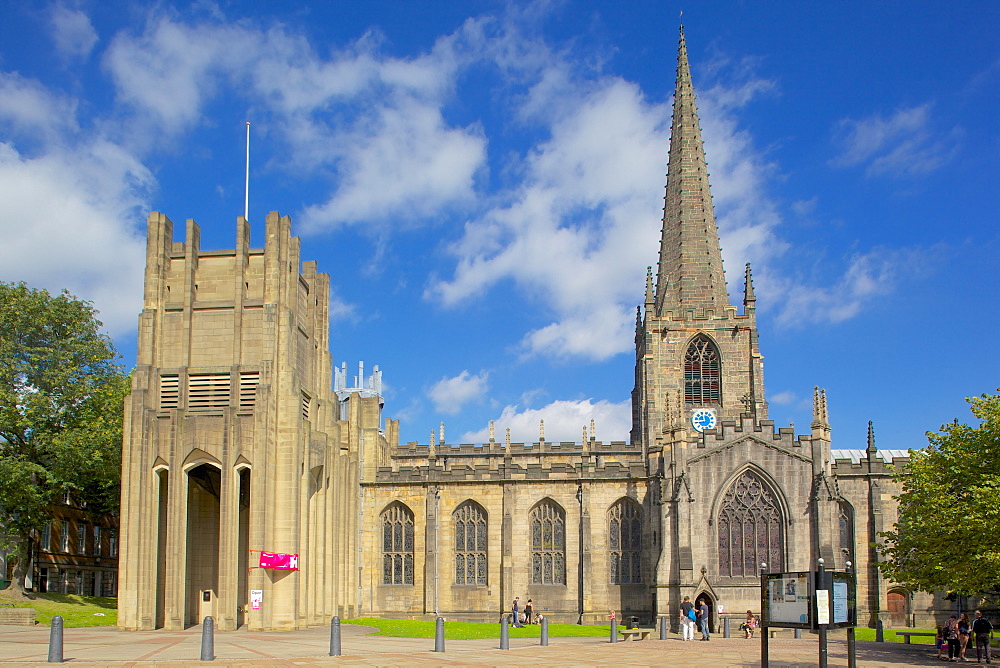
707 598
203 492
898 605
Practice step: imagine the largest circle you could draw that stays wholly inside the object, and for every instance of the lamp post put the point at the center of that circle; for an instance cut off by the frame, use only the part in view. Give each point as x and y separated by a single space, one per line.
852 655
763 621
579 569
821 584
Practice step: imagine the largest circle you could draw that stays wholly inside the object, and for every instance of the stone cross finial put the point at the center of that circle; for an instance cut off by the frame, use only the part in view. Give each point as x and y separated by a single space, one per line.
541 431
507 440
492 433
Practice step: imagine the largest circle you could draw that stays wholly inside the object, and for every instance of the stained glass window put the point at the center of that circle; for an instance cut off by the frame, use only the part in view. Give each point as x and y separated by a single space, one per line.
625 533
750 528
548 544
397 545
702 373
470 544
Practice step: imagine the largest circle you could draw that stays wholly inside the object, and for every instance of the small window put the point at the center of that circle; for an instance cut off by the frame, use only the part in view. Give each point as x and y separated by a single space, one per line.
97 540
46 542
169 392
112 542
64 536
81 538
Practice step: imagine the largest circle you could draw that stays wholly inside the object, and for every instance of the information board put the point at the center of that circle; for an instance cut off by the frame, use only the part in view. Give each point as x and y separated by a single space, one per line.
843 599
785 600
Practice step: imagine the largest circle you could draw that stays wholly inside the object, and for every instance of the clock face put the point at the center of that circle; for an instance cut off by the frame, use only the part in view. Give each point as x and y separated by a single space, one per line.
703 419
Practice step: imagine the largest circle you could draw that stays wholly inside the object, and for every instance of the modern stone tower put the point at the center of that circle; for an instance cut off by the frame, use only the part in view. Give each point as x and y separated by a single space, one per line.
235 442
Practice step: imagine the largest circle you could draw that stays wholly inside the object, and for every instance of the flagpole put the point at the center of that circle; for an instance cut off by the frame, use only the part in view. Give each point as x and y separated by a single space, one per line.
246 189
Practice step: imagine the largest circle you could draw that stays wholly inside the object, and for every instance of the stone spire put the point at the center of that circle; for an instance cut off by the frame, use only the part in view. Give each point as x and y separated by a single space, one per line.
749 300
690 274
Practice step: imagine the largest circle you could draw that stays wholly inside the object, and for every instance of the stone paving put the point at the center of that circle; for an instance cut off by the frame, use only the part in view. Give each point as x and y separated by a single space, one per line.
23 646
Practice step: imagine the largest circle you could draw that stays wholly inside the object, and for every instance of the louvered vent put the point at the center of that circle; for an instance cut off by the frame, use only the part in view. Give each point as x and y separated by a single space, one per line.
305 406
208 392
248 389
169 392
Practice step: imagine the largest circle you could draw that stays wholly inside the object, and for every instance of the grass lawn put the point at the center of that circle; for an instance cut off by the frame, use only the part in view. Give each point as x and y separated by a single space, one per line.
75 610
409 628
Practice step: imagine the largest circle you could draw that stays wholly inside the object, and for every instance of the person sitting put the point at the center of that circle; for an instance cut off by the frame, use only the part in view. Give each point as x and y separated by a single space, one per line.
750 625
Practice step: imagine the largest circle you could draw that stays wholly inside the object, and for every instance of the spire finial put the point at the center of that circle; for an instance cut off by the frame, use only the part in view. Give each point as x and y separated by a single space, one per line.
593 431
871 437
492 432
749 300
507 438
541 431
649 285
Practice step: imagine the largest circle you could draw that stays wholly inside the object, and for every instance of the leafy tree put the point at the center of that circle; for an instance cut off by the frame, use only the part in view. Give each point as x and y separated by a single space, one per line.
61 393
946 537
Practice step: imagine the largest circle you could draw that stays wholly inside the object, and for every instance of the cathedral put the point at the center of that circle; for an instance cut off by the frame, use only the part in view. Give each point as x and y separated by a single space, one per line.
263 490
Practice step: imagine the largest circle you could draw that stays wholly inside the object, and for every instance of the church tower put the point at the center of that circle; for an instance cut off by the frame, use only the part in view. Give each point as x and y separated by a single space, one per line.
697 359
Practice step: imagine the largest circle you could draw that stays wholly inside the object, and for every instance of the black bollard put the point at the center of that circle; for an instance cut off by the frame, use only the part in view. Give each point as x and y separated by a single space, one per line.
208 639
335 636
545 631
504 634
798 634
879 632
56 640
439 635
663 628
614 630
725 628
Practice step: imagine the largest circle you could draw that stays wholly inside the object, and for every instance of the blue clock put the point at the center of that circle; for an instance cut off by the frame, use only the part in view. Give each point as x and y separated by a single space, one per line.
703 419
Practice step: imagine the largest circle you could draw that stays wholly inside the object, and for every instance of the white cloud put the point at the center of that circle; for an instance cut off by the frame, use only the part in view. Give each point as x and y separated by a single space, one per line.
72 32
868 276
564 421
783 398
451 394
903 144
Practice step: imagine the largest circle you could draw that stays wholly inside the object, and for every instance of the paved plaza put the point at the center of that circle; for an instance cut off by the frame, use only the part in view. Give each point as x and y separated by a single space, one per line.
109 647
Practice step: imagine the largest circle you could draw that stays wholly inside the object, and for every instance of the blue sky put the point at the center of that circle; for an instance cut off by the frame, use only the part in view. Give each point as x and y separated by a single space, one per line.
483 183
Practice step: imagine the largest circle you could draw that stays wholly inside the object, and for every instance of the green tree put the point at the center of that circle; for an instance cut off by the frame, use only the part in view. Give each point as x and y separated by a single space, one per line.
61 393
949 510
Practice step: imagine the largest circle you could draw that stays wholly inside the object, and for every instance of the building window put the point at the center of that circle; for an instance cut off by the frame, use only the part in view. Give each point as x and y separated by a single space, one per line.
750 529
46 545
846 526
548 544
81 538
625 538
208 392
702 373
64 536
470 544
112 543
97 540
397 545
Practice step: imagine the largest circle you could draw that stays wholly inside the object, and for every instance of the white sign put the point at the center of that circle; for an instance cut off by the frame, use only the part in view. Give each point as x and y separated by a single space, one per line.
839 602
823 606
256 597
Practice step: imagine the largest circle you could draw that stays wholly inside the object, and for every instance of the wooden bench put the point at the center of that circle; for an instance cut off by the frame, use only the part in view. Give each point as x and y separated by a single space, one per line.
906 634
633 634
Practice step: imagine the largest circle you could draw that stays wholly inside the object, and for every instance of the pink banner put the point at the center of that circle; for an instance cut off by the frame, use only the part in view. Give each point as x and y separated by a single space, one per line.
282 562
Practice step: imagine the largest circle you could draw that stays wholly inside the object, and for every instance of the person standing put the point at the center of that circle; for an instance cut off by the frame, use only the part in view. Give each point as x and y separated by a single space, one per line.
964 635
515 608
687 618
982 630
951 635
703 618
527 612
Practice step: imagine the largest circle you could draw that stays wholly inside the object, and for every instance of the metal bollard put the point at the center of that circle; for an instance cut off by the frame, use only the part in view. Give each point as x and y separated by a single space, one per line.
614 630
335 636
663 628
879 631
798 634
439 635
504 634
208 639
725 628
545 631
56 640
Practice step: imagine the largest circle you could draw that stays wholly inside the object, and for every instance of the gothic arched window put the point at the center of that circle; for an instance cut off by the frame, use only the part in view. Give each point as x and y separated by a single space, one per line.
702 373
846 526
548 544
397 545
470 544
625 539
750 529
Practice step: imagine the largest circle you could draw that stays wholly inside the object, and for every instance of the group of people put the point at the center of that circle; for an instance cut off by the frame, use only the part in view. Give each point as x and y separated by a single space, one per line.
519 617
957 633
691 613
